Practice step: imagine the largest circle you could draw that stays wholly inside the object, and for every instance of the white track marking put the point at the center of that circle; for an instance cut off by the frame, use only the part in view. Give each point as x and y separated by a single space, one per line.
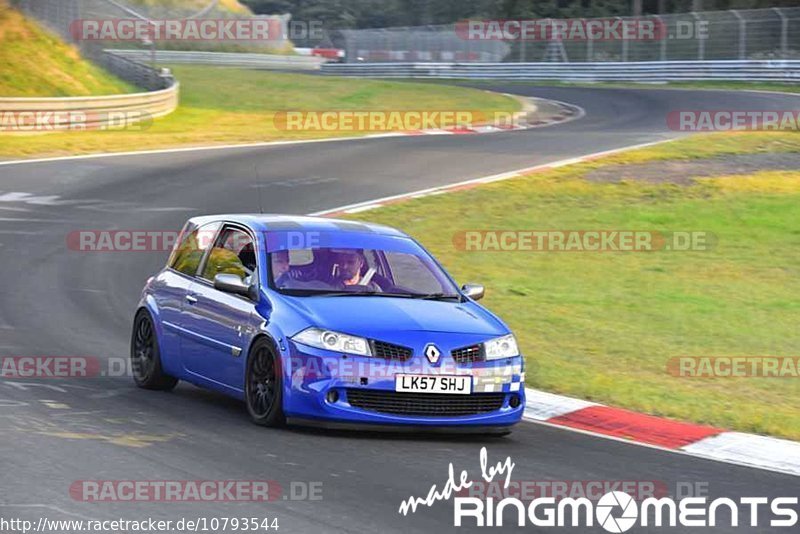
748 449
48 506
166 209
581 113
364 208
542 406
484 179
726 459
28 198
9 219
8 208
179 150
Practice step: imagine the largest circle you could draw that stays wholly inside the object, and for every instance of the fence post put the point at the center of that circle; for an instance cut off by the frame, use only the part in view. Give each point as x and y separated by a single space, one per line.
662 53
624 44
522 43
784 32
468 46
701 42
589 42
742 33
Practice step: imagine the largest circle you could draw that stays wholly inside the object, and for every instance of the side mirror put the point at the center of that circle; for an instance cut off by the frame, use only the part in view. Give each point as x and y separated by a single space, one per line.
231 283
473 291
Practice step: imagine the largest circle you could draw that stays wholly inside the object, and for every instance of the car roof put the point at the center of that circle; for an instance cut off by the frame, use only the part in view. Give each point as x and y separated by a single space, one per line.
283 223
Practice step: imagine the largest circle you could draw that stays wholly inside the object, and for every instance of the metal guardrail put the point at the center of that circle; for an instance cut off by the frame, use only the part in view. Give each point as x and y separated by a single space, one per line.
667 71
135 72
90 112
230 59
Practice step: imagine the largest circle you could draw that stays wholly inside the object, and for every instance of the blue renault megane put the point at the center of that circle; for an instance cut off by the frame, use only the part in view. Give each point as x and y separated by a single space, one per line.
326 322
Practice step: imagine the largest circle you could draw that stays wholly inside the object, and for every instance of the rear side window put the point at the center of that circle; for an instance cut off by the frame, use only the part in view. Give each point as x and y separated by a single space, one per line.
189 253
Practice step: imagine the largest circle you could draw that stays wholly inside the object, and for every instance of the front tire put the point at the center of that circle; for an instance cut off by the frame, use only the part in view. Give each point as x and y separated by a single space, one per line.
264 385
146 356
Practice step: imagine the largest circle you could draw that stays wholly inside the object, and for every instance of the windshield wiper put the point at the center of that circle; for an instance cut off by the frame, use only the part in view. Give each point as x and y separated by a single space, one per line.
350 294
436 296
420 296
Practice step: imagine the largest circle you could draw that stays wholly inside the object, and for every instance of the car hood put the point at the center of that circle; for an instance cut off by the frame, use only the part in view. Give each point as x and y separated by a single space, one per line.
368 315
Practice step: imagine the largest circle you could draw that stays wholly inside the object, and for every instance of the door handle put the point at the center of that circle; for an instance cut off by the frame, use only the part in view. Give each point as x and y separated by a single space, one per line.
191 299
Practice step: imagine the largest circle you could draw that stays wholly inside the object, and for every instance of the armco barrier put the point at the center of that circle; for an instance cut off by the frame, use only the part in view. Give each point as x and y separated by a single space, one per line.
99 111
230 59
656 71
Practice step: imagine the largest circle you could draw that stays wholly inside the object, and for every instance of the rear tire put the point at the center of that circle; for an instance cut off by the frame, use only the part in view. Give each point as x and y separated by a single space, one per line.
146 356
263 390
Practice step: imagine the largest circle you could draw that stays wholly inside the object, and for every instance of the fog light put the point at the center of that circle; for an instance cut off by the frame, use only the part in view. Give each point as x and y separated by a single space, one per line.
332 397
514 401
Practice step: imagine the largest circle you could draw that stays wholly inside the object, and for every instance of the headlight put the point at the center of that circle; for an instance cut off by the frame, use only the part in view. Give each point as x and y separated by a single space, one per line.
334 341
501 347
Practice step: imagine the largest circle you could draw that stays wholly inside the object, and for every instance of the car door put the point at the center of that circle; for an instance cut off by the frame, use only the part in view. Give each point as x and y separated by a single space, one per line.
171 286
221 325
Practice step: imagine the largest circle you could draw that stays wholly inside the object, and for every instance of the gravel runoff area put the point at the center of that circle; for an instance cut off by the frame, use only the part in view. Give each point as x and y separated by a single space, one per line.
683 172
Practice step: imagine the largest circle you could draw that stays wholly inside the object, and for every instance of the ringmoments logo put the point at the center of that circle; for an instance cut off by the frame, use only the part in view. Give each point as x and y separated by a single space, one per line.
616 500
615 511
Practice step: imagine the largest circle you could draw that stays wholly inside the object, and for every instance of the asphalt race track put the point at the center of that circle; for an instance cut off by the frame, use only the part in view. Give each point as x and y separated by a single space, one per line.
54 301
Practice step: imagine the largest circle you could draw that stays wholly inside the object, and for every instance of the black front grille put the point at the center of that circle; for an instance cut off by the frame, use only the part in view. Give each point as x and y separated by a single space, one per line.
470 354
430 404
387 351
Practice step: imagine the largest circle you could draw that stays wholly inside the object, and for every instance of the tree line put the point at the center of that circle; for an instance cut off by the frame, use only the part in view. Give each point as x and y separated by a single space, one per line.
388 13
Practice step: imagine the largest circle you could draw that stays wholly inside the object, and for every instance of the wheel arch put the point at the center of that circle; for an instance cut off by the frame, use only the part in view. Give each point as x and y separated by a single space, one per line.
276 349
148 304
282 358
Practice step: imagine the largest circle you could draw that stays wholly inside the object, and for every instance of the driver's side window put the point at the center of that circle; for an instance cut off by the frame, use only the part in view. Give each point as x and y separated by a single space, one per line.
233 253
188 254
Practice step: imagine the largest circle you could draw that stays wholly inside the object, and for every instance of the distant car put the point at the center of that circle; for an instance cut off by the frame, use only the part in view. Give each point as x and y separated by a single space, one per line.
326 322
334 55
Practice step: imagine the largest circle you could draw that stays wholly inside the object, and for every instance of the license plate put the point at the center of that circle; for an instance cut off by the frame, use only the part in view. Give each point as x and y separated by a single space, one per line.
460 385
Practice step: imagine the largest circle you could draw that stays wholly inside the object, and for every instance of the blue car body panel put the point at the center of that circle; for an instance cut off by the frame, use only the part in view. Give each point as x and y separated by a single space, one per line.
205 334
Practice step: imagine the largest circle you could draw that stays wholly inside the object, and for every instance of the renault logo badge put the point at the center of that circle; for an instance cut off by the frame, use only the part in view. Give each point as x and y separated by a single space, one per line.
432 353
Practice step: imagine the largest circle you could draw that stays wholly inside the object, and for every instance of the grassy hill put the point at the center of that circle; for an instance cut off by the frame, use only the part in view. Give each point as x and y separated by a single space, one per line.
229 6
224 9
37 63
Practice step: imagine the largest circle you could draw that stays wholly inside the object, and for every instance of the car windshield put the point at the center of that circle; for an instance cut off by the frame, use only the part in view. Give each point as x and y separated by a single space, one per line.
358 272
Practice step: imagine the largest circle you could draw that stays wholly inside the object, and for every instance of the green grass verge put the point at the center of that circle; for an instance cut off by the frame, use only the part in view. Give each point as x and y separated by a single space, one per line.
224 105
602 326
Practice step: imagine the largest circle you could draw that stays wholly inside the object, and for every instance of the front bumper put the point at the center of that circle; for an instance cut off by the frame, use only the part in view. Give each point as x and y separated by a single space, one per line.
320 386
